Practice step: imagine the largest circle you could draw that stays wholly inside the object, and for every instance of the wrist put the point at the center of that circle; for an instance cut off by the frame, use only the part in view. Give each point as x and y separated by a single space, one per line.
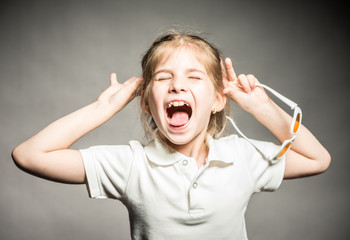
105 108
265 111
274 118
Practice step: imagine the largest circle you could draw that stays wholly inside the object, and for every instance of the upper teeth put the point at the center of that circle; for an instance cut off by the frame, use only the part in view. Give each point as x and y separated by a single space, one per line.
177 104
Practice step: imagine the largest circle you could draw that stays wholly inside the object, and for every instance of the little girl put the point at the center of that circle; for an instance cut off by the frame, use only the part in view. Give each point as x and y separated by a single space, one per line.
187 183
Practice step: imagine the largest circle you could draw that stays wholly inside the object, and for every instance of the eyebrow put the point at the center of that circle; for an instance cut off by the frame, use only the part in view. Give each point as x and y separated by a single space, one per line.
163 70
194 70
187 71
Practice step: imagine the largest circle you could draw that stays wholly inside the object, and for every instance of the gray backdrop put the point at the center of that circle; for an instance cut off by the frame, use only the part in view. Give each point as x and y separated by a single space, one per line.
56 56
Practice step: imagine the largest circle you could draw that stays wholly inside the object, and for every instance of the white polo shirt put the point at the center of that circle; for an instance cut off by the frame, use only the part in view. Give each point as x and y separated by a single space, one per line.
168 197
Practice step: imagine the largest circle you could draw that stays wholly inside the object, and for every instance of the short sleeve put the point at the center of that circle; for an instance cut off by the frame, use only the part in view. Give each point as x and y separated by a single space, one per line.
266 176
107 169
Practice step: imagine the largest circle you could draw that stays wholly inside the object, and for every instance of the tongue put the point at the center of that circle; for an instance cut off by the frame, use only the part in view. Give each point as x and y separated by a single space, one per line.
179 119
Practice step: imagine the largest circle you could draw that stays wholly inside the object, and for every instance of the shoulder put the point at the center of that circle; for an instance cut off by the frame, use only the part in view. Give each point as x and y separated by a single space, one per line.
133 145
231 143
227 140
240 147
235 140
112 152
227 149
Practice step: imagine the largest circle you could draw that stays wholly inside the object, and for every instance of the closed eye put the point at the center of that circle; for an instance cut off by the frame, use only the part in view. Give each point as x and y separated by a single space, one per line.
163 78
195 77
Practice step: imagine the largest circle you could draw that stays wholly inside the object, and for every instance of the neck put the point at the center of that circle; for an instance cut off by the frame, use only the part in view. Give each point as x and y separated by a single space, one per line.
197 148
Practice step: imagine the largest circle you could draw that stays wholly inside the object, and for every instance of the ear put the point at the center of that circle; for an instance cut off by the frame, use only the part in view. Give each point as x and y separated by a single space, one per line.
220 101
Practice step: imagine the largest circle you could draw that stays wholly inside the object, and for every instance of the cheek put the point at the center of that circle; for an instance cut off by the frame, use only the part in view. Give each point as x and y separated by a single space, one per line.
149 97
154 100
145 101
206 94
151 103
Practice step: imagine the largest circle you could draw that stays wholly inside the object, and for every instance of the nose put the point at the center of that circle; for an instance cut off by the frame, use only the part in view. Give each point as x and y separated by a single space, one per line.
178 85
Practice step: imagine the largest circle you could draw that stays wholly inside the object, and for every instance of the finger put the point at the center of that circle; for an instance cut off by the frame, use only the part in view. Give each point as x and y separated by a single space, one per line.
223 69
113 78
228 90
138 83
232 92
251 80
244 84
132 80
229 69
133 85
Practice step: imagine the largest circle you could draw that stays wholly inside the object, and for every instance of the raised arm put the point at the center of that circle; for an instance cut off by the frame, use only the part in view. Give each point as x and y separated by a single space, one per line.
47 153
307 156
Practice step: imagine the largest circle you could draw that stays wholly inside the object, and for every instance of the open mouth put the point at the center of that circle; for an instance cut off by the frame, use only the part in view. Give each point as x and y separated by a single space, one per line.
179 113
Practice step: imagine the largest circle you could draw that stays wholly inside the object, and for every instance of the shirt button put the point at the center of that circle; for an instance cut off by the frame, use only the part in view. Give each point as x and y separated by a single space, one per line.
195 185
184 162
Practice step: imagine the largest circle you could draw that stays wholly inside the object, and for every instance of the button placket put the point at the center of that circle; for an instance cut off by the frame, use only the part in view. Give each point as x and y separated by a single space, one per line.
195 180
187 166
195 198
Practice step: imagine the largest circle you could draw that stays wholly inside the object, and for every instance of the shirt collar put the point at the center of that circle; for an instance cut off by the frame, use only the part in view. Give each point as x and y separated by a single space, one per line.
159 153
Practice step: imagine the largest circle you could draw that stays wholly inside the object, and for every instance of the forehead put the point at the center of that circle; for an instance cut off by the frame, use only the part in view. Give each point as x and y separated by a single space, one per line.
181 57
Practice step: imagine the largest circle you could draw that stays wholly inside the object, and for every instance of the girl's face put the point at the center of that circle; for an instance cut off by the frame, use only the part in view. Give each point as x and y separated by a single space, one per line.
181 98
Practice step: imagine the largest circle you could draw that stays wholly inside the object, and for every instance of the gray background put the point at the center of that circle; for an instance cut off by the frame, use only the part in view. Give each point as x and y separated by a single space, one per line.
56 56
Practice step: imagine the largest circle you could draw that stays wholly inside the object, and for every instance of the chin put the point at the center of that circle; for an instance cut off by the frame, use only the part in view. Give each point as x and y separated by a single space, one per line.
176 139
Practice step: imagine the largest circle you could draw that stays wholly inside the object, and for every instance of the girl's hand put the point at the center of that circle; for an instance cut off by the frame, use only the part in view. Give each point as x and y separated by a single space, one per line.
243 90
307 156
120 94
47 153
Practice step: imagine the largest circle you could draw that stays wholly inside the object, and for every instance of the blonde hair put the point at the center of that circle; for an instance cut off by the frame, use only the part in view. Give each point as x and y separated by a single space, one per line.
209 56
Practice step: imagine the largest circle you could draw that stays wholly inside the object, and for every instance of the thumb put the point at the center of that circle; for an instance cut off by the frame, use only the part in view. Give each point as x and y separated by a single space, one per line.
133 84
113 79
